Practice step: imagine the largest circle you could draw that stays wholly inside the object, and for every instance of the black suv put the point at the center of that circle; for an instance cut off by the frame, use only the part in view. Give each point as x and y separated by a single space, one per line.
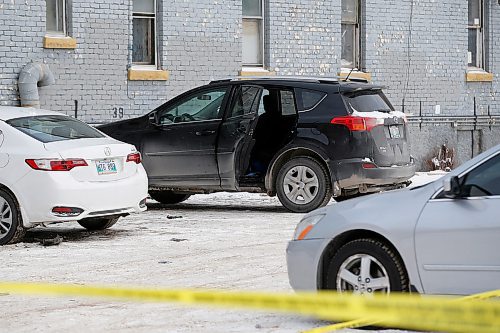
304 139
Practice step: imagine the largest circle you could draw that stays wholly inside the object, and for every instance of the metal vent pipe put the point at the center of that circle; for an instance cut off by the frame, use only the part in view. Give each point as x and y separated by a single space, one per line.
32 76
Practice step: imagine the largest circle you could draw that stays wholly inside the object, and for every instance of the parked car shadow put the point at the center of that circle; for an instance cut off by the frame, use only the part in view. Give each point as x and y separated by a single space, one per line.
218 207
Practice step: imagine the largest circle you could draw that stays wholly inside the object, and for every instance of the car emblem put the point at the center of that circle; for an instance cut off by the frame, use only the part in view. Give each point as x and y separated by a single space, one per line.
396 120
107 151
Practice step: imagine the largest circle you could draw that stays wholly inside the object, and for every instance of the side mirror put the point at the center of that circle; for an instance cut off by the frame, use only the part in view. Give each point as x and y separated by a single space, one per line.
451 187
153 118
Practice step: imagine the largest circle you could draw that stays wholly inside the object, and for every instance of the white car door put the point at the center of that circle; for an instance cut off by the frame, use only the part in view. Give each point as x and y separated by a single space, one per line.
457 241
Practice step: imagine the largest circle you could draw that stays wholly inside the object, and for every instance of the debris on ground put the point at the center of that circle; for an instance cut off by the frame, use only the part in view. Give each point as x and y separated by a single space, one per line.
173 217
50 241
178 239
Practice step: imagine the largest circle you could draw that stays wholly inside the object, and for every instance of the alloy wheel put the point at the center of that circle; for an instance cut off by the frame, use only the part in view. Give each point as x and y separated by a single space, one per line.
301 185
5 217
362 274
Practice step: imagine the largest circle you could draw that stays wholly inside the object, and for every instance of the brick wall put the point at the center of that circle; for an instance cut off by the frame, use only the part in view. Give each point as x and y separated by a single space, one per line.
202 40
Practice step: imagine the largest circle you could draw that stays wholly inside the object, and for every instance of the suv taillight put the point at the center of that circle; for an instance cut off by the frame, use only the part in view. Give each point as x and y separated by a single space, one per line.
55 165
355 123
134 157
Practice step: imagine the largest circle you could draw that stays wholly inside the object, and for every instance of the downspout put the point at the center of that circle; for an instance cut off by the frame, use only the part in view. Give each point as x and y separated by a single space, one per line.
31 77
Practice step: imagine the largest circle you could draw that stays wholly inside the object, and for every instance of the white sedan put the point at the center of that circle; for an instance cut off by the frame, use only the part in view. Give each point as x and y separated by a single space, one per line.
54 168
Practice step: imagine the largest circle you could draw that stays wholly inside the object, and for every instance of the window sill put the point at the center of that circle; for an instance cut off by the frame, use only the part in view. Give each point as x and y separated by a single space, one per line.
478 76
55 42
355 75
137 74
255 71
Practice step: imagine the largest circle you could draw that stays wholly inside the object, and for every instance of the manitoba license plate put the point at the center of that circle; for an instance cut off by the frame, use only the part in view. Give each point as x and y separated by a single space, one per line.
105 167
394 132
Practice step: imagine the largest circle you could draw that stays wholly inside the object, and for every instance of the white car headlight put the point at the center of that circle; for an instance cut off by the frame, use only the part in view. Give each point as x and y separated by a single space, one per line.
306 225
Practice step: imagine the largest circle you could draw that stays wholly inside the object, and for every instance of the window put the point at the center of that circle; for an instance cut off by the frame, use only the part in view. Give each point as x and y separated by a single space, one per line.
368 101
308 99
483 180
54 128
253 36
287 103
201 106
351 42
144 32
476 50
56 17
247 101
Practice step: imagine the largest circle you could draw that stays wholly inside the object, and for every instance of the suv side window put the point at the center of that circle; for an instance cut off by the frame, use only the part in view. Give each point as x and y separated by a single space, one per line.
246 101
308 99
483 180
204 105
287 103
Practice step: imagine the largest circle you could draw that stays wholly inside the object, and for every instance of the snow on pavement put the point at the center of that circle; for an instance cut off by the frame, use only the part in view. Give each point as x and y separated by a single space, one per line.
230 241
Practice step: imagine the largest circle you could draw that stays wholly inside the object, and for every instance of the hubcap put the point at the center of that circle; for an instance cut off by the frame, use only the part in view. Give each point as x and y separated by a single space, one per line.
362 274
301 185
5 217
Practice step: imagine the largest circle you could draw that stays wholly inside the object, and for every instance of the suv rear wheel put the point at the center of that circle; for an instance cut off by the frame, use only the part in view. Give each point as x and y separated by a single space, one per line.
303 185
168 197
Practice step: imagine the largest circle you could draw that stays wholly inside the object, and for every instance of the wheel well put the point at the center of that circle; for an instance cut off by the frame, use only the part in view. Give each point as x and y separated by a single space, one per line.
287 156
343 239
5 188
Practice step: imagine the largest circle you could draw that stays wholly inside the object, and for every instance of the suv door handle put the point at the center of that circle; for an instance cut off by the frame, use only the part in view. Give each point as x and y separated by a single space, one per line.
203 133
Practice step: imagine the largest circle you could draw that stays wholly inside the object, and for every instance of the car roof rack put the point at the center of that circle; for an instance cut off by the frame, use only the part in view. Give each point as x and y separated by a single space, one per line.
332 80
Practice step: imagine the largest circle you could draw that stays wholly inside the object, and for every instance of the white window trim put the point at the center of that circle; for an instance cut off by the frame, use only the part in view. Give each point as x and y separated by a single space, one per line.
64 31
357 40
479 66
262 36
138 66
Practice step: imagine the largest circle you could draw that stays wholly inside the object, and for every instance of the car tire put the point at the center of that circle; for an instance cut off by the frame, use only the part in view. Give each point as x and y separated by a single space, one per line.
98 223
168 197
385 271
11 222
303 185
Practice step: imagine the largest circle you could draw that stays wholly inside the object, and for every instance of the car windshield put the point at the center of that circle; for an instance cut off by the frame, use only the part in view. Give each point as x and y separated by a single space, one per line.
368 101
54 128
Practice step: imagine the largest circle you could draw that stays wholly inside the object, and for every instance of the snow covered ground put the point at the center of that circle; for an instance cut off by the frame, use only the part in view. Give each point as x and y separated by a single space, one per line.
230 241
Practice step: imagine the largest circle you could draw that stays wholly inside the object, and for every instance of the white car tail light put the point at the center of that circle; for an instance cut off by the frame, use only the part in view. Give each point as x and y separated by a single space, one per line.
134 157
55 164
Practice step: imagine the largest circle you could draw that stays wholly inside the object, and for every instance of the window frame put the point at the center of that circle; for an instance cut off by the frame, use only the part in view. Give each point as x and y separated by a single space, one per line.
64 12
154 53
439 194
480 38
261 20
357 37
184 98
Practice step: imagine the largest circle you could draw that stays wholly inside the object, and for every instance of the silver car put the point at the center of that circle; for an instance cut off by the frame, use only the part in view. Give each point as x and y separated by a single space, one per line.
439 238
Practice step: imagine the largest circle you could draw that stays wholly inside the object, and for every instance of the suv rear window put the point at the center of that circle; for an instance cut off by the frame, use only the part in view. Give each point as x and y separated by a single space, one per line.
54 128
368 101
308 99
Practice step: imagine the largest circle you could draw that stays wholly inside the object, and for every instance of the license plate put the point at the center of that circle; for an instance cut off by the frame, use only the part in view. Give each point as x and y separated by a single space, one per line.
394 132
106 167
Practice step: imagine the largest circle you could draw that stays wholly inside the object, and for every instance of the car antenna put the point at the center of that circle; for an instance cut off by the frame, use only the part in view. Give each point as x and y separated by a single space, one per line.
347 77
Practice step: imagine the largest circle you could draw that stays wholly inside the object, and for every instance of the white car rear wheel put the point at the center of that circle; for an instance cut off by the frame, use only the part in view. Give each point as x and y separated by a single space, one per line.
11 224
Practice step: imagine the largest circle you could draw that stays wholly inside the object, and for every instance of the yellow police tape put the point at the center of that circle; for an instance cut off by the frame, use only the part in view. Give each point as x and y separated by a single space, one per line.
396 311
364 322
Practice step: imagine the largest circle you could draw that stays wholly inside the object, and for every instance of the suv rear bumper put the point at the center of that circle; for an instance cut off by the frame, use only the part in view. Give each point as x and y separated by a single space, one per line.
350 174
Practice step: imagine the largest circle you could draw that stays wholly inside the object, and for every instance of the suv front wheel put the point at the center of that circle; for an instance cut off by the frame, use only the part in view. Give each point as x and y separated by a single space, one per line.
303 185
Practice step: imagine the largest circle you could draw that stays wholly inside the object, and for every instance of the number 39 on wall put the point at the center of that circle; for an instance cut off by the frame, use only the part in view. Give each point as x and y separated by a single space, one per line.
118 112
